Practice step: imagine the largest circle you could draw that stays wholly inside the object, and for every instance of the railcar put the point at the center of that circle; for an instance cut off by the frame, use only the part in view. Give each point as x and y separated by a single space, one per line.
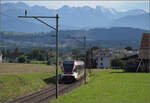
72 70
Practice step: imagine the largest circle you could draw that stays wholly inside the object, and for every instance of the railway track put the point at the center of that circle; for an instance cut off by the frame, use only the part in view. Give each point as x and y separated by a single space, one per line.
47 94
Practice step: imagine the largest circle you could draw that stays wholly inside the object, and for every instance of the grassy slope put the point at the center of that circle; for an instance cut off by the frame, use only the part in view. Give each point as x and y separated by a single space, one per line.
111 86
14 68
19 79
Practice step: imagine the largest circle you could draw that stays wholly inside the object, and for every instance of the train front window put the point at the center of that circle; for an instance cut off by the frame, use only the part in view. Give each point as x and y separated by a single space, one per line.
68 67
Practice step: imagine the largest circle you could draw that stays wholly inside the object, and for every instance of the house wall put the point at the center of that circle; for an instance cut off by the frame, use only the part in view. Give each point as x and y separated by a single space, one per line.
104 62
0 58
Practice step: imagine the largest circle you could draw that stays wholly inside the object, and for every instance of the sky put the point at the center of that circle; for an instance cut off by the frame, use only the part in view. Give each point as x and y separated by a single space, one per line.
118 5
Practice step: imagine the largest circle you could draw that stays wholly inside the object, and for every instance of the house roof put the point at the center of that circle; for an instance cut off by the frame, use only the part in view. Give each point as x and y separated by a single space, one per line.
144 51
130 57
101 51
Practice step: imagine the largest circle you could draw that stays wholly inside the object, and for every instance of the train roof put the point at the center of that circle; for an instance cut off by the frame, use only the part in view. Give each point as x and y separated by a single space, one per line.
74 61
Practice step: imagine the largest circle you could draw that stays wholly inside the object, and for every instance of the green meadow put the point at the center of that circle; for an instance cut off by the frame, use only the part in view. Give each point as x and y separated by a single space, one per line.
20 79
111 86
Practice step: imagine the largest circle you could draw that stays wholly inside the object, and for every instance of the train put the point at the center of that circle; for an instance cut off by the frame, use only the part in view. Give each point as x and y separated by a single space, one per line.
72 70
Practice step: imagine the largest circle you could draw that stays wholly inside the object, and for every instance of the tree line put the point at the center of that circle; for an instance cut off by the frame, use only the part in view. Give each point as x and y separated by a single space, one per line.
27 57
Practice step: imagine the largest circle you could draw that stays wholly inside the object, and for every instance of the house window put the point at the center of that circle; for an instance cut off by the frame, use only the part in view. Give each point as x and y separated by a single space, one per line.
101 58
101 63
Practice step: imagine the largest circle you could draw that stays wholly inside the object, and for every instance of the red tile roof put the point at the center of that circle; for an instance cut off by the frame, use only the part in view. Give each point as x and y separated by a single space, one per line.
144 52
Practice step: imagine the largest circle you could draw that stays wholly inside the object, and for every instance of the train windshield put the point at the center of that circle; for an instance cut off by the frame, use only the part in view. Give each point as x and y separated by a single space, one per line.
68 67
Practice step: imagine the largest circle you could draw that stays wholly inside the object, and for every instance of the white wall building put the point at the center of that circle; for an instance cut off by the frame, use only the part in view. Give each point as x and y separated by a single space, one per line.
0 58
104 61
103 57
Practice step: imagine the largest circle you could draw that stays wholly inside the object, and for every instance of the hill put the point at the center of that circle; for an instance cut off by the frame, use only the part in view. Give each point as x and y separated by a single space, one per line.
117 37
131 21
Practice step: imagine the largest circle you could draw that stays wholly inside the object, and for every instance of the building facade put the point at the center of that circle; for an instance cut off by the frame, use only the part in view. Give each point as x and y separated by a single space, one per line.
103 57
144 53
0 58
104 62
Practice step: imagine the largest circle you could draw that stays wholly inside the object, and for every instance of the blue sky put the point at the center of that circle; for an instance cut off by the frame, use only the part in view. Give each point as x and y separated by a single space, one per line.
118 5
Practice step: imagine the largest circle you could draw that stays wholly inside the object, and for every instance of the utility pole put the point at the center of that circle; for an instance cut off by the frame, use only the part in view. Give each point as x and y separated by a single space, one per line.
57 55
84 43
57 46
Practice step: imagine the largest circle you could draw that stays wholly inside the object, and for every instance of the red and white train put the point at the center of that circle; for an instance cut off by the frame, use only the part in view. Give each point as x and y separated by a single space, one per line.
72 70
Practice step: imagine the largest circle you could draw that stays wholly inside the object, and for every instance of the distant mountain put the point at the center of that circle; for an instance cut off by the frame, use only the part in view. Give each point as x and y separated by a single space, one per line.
114 33
70 18
131 21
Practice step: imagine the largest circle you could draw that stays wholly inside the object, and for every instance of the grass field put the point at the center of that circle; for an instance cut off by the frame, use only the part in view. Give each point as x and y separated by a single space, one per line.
20 79
111 86
16 68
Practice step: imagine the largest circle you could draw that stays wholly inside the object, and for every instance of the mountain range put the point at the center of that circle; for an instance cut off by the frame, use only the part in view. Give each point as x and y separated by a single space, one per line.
71 18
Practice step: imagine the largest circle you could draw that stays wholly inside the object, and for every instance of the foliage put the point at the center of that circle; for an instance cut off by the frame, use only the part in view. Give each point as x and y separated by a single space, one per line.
16 51
3 51
117 62
34 55
75 52
90 61
131 66
95 48
22 59
8 53
128 48
38 62
51 57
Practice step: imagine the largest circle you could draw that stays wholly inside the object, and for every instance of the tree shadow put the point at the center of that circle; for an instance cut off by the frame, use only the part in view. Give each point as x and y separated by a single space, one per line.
119 72
122 72
51 80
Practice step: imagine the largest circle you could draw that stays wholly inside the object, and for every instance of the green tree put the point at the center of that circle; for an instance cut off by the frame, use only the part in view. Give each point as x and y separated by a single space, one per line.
8 53
51 52
95 48
117 62
41 57
22 59
4 53
29 55
128 48
35 53
51 57
16 51
75 52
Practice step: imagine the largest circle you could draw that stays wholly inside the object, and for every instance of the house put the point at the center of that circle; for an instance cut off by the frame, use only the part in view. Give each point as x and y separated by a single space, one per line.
0 57
144 54
104 61
141 61
103 58
131 63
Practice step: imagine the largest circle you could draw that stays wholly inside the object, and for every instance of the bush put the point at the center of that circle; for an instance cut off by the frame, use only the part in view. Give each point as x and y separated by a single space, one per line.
131 66
51 61
38 62
28 61
22 59
117 63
